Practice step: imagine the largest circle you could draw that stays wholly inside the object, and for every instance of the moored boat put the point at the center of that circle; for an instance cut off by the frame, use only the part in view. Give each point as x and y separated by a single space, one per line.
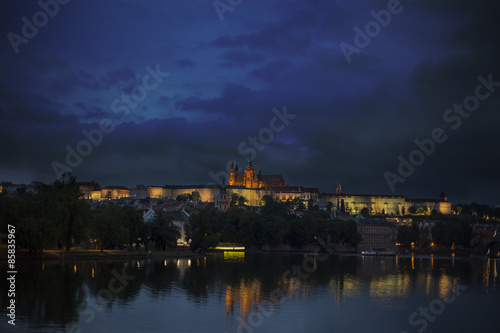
378 252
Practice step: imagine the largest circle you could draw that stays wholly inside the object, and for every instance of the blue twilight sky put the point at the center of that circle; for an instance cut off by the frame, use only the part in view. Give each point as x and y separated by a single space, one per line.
354 101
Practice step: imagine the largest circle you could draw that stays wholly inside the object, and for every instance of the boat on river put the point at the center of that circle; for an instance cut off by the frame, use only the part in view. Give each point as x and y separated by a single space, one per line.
378 252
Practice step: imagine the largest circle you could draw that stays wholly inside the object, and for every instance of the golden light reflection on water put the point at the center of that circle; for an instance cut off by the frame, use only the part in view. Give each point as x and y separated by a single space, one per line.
495 273
246 296
490 274
347 287
234 256
386 281
428 284
486 275
445 286
394 285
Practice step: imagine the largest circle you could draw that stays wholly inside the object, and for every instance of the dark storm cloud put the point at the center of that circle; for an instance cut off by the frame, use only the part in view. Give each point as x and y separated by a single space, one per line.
21 108
235 102
241 58
81 105
117 77
277 41
185 63
272 71
353 119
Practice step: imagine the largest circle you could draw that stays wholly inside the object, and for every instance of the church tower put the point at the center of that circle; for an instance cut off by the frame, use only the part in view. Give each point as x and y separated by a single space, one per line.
340 202
250 179
232 174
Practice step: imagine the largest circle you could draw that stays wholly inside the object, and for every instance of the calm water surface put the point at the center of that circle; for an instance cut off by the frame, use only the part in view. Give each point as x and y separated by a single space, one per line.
254 292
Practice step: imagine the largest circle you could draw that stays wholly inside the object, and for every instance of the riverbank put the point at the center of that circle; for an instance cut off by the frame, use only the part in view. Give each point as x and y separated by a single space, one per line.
179 253
184 252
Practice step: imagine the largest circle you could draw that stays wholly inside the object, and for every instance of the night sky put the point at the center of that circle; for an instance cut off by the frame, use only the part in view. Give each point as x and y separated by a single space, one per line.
171 91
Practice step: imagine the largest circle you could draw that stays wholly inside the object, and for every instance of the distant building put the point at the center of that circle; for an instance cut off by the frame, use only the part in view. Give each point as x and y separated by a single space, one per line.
148 215
139 192
10 188
440 205
114 192
284 193
33 187
288 193
222 200
376 234
254 187
155 192
206 192
86 188
383 204
179 219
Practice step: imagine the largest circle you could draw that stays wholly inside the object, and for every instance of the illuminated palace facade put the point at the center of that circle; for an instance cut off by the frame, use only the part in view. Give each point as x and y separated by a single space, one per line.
383 204
254 186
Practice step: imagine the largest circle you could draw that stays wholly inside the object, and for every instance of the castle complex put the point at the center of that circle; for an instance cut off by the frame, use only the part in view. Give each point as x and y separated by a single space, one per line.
254 186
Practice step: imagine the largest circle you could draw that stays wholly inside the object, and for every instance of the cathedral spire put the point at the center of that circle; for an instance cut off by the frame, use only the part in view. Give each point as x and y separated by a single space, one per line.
339 189
249 166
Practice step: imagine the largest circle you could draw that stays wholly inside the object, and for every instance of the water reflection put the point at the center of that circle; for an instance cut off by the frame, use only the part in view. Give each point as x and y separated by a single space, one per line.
234 256
57 293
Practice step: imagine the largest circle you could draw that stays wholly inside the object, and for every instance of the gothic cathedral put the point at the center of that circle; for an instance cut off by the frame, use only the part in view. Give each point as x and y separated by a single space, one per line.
251 180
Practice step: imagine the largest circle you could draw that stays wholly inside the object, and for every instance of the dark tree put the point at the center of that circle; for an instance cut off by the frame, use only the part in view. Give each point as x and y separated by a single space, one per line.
365 211
201 229
163 232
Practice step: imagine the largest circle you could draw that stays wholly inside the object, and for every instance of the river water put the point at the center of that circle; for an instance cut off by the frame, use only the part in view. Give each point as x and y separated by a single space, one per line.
256 292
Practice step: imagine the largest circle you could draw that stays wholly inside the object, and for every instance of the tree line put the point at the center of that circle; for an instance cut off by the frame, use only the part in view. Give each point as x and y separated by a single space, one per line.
273 226
56 216
477 209
444 234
